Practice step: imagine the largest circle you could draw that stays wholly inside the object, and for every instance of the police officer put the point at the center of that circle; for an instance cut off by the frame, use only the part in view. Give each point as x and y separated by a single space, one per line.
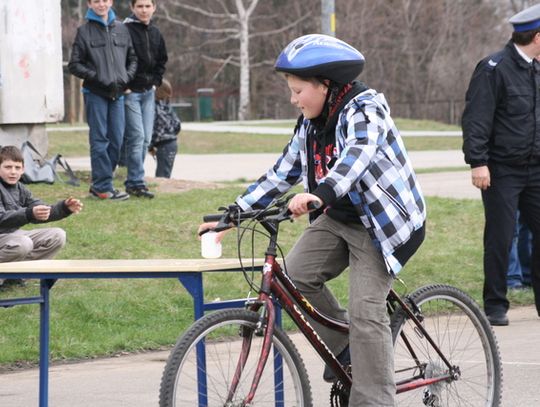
501 142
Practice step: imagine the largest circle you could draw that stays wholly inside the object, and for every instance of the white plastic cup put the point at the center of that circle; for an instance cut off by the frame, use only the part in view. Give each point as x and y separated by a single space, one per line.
210 249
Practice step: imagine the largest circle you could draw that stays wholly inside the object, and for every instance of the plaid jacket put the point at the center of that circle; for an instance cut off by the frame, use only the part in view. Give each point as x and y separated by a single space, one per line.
372 168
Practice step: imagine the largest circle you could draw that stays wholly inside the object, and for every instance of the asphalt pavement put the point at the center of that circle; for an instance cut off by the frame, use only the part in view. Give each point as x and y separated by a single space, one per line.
452 183
133 380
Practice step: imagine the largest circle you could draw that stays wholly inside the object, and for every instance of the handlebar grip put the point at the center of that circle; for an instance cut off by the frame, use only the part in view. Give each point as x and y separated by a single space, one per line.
313 205
212 218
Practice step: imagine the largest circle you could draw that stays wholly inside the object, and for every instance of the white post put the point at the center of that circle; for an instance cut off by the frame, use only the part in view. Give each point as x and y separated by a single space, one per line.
328 17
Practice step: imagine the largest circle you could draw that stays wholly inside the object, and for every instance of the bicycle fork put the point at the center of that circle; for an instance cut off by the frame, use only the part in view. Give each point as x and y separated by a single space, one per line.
265 325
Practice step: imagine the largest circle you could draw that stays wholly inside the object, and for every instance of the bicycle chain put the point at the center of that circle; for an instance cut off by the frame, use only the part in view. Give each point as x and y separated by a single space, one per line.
339 395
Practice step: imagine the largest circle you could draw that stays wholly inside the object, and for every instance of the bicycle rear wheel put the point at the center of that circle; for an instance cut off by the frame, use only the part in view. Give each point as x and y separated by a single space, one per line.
204 378
463 334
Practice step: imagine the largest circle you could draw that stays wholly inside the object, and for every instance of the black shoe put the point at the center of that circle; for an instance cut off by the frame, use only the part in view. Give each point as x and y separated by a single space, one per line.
140 192
344 358
498 318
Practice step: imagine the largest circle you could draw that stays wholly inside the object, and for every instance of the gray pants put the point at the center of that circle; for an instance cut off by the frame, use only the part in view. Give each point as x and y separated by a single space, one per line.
31 244
322 253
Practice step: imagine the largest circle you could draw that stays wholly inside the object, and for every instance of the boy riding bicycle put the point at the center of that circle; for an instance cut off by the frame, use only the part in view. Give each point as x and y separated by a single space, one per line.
350 158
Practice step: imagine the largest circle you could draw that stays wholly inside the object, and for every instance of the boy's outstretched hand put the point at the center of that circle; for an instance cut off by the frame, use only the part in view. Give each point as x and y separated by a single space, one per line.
41 212
74 205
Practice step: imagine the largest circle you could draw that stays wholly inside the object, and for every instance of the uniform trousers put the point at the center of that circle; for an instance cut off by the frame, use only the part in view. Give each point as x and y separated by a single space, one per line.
512 187
325 249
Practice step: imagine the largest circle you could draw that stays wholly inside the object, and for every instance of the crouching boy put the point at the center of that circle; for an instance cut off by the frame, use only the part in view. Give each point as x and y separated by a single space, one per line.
18 207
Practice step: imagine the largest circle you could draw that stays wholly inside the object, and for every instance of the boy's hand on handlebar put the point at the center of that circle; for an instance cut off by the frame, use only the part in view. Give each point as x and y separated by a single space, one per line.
208 226
298 205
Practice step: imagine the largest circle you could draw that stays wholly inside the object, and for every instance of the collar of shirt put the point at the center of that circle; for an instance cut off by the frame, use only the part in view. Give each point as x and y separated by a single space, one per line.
523 55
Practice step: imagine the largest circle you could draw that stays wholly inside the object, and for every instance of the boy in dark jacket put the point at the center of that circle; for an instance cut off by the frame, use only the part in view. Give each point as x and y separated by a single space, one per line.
103 56
139 101
18 207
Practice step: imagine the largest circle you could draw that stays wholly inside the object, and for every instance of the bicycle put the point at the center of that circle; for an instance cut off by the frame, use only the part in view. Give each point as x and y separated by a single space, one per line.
445 350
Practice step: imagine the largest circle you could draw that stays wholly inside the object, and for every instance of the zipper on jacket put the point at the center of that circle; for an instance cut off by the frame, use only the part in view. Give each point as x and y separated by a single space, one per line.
110 47
395 202
148 45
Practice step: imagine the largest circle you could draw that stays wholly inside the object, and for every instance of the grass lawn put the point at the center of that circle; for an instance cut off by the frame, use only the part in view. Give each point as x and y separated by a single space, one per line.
92 318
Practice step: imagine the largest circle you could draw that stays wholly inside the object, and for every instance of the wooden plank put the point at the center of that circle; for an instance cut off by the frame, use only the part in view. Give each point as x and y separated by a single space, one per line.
124 266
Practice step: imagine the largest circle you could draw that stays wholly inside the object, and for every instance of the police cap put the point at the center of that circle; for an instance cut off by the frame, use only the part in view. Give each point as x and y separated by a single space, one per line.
528 19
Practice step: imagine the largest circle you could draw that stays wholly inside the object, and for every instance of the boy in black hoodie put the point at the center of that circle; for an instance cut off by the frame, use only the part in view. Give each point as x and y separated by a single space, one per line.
152 57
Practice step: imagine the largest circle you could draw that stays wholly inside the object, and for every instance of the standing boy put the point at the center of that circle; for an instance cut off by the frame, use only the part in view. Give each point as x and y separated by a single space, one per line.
350 158
501 142
167 125
103 56
18 207
139 101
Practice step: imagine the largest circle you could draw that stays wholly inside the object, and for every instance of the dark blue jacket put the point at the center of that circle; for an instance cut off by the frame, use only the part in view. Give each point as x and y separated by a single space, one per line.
501 121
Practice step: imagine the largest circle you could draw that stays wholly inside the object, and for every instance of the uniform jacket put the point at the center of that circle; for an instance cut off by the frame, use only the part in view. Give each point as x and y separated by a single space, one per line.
166 124
372 168
103 56
16 203
151 54
501 121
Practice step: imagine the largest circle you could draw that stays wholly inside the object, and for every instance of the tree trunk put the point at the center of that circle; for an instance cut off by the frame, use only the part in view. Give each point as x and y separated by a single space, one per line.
243 108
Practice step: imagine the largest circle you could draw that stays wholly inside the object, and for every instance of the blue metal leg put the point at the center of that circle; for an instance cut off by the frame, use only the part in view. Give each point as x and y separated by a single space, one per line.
193 283
44 343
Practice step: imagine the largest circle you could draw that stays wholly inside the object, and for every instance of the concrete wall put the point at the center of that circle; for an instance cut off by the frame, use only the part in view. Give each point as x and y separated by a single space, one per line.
31 83
31 87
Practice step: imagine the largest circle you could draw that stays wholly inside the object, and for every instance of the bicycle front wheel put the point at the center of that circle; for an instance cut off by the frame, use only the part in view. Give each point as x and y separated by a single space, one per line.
203 365
463 334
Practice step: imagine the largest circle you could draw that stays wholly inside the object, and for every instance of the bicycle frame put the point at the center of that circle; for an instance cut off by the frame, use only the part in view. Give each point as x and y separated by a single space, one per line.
277 286
283 290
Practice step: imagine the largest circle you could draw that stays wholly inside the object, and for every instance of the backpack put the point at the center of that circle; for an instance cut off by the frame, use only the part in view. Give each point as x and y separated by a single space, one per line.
39 169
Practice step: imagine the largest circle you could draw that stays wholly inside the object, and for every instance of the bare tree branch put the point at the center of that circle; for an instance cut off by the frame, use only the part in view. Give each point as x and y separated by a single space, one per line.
166 14
205 13
281 29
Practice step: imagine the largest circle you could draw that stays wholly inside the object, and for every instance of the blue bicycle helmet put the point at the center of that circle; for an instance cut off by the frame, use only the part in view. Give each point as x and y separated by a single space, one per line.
317 55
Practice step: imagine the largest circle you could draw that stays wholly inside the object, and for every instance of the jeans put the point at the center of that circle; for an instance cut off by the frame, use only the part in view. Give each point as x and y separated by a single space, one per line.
165 155
140 112
106 121
519 267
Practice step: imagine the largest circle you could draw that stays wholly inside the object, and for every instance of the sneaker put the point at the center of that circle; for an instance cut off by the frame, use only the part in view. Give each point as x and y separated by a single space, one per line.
140 192
114 195
344 358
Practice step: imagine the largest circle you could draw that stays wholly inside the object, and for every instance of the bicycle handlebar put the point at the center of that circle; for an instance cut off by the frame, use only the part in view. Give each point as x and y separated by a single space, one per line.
233 214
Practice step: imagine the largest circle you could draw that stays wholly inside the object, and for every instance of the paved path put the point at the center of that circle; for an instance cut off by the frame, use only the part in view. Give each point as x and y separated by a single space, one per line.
233 167
133 381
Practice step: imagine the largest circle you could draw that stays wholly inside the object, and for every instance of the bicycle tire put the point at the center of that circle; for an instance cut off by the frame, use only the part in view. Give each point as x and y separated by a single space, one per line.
464 335
220 332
